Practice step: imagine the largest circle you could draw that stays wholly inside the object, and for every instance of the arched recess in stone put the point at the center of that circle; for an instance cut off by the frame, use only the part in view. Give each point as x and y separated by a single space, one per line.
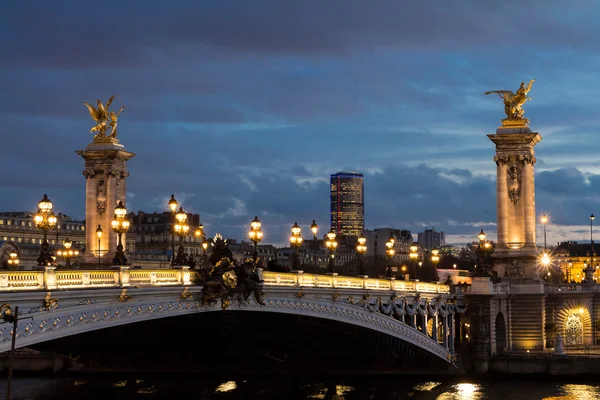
5 250
501 342
574 315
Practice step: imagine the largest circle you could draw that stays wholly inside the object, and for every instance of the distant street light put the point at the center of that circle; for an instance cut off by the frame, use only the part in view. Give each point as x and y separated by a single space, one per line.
99 235
173 204
182 229
67 253
314 228
13 260
390 254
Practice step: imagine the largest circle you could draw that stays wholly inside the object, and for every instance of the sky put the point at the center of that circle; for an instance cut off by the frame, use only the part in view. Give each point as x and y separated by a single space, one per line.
244 108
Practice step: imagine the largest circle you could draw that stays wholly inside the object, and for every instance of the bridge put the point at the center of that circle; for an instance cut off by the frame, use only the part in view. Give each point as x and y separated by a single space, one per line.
59 303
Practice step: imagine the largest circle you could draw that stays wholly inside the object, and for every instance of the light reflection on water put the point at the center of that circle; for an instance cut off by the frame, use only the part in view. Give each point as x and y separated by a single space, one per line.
267 389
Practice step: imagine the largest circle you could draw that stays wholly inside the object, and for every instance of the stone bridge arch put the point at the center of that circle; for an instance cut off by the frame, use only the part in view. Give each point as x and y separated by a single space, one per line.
47 316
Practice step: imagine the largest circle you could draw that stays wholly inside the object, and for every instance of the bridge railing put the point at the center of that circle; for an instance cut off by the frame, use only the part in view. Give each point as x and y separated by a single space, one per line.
299 278
49 278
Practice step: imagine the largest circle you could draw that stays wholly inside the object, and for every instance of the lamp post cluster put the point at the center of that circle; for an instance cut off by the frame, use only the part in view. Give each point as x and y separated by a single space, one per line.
331 245
120 225
361 249
389 251
13 260
295 242
45 220
181 229
68 252
314 228
255 236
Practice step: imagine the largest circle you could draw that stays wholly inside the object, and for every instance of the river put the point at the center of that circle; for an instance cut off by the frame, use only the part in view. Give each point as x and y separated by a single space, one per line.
389 387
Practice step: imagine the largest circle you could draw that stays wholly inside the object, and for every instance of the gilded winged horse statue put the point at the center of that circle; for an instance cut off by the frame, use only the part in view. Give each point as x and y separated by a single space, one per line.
103 118
513 103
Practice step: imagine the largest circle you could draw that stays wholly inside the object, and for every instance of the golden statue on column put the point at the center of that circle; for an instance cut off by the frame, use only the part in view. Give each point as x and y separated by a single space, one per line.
104 118
513 104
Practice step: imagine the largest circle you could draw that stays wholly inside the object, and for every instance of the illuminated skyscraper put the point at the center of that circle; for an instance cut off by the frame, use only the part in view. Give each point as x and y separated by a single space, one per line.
347 203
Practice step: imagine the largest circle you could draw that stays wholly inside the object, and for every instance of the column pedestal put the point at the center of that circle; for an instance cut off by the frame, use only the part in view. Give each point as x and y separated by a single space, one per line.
105 172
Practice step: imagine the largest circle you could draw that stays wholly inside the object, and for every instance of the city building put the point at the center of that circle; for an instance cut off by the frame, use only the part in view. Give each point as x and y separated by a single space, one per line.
347 204
152 239
572 258
431 239
377 238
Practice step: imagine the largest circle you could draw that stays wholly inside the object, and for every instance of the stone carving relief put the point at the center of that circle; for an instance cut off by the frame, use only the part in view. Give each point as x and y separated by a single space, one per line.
101 196
513 180
501 160
515 271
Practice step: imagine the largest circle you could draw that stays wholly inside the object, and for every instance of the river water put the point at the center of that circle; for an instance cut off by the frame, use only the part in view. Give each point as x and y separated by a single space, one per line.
389 387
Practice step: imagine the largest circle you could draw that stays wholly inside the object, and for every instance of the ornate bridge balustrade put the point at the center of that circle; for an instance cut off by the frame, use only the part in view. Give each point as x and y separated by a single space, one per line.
54 304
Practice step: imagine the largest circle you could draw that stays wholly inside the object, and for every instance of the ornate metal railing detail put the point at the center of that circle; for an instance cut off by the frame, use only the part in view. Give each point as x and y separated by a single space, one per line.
50 278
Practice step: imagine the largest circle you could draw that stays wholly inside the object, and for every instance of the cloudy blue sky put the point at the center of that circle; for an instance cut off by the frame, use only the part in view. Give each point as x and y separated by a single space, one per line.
244 108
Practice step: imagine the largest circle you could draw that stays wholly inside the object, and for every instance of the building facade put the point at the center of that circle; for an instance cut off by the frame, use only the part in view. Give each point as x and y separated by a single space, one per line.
347 203
571 259
431 239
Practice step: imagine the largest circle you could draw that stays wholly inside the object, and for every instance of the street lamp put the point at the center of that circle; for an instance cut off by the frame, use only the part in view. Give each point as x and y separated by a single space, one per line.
67 253
45 220
296 242
99 235
331 245
204 255
361 249
414 256
200 236
390 253
544 220
13 261
181 228
120 225
435 257
314 228
481 247
173 204
255 235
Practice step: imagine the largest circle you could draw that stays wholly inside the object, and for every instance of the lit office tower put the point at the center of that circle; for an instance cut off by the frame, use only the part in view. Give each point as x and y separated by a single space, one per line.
347 203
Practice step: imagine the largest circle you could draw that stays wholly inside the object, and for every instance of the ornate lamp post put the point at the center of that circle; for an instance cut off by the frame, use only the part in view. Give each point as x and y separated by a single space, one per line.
331 245
544 220
314 228
67 253
361 249
45 220
173 204
435 257
99 235
296 242
181 229
414 256
255 235
13 261
200 237
120 225
390 254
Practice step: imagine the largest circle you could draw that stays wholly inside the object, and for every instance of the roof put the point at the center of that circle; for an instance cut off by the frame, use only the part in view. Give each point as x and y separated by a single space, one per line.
574 249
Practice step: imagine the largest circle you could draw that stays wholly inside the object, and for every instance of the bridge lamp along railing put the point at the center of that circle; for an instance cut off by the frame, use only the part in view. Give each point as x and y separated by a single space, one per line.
331 245
120 225
314 228
361 249
389 251
173 204
45 220
182 229
68 252
435 256
414 256
295 242
201 238
204 254
255 235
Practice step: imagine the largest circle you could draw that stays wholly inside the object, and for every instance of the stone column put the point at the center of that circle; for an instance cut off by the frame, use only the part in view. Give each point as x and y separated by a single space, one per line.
501 203
105 172
529 199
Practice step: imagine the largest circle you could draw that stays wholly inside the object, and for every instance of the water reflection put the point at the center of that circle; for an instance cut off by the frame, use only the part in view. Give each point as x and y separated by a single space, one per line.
463 391
578 392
